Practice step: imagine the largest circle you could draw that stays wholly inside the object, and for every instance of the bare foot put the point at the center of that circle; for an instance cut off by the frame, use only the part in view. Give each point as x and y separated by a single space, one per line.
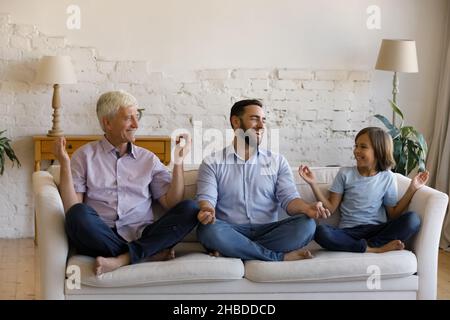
215 253
298 254
163 255
103 265
390 246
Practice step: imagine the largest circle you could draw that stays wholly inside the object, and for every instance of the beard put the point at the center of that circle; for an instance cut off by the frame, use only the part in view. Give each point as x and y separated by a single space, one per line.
249 136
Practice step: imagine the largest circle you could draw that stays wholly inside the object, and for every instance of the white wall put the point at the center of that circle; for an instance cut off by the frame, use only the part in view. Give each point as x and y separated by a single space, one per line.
299 56
194 34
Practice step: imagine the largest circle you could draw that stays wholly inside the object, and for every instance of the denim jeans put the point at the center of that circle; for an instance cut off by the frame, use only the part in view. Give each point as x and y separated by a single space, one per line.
91 236
356 239
267 242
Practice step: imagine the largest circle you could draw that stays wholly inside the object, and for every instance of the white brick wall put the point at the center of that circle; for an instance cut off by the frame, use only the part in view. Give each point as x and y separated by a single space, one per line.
317 112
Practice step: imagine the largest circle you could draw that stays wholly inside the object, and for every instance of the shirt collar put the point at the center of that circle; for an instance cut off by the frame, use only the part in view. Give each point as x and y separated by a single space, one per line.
230 153
108 147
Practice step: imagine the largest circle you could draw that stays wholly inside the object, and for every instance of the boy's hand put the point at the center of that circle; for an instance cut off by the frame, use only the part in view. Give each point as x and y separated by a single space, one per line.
306 174
419 180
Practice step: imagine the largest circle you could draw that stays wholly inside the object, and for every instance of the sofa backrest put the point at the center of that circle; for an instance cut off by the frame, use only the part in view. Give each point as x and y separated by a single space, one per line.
324 176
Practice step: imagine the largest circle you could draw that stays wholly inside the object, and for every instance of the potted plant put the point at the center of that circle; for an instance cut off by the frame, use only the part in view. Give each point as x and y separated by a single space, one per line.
5 148
410 147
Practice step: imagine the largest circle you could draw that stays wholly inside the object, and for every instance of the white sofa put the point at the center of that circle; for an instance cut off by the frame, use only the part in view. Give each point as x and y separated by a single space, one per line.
406 274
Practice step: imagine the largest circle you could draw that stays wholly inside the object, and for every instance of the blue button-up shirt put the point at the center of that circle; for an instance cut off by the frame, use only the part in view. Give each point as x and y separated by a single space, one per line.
120 190
249 191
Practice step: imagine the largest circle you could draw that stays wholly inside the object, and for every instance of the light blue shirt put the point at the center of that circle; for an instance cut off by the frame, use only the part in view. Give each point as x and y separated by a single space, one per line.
364 198
249 191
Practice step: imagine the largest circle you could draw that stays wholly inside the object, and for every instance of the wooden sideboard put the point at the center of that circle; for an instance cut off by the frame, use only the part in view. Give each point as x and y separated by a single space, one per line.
159 145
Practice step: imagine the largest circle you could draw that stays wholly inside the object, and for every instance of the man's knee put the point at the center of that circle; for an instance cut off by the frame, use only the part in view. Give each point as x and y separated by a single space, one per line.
300 230
306 226
189 207
204 231
77 213
310 226
215 237
209 233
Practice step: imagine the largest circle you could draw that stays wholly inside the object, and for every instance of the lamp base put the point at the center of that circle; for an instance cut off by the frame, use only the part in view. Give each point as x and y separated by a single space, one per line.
55 133
56 105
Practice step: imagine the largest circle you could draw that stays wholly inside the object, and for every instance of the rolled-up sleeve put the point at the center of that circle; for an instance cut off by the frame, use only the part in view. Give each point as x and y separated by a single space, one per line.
207 183
161 179
78 169
286 190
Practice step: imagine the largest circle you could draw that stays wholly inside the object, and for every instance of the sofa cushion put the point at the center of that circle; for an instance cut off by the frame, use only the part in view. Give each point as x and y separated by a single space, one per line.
334 266
187 268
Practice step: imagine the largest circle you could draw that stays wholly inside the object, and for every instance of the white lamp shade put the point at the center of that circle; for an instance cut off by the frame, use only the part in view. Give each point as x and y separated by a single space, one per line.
55 70
397 55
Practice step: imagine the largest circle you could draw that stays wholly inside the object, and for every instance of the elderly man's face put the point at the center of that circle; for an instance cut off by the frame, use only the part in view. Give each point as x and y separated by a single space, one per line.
123 126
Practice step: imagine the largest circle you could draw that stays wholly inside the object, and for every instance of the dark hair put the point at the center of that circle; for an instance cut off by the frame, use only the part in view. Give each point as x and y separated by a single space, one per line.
382 147
238 109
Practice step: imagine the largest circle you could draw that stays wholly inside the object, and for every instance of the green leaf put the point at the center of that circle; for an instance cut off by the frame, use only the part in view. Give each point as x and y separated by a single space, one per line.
421 165
407 132
401 162
410 147
421 140
396 109
393 131
6 148
397 150
2 163
413 157
12 157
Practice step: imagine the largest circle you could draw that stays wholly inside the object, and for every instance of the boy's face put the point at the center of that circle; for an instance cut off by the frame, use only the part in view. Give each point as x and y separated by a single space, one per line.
364 152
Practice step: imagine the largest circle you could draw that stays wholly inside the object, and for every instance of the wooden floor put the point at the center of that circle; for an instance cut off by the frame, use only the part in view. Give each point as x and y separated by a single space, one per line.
444 275
18 277
17 269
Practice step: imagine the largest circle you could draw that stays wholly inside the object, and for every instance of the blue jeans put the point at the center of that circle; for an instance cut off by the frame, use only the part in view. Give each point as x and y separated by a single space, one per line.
267 242
91 236
356 239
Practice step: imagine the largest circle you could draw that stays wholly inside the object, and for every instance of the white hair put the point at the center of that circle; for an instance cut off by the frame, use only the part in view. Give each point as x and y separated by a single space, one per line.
109 104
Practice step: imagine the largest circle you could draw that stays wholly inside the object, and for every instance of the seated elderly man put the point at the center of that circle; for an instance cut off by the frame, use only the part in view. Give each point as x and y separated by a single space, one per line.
108 187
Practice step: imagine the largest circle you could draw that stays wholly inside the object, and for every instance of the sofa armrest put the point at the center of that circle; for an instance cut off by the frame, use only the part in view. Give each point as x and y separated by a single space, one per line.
53 246
430 205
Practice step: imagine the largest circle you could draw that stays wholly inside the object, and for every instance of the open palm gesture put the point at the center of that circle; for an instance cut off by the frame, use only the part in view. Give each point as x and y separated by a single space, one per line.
419 180
59 150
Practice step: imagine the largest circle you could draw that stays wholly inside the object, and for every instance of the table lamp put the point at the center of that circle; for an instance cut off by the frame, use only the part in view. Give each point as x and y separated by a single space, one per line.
56 70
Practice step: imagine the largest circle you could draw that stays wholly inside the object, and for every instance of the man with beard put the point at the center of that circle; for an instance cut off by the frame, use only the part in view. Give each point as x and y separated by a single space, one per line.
240 190
108 187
